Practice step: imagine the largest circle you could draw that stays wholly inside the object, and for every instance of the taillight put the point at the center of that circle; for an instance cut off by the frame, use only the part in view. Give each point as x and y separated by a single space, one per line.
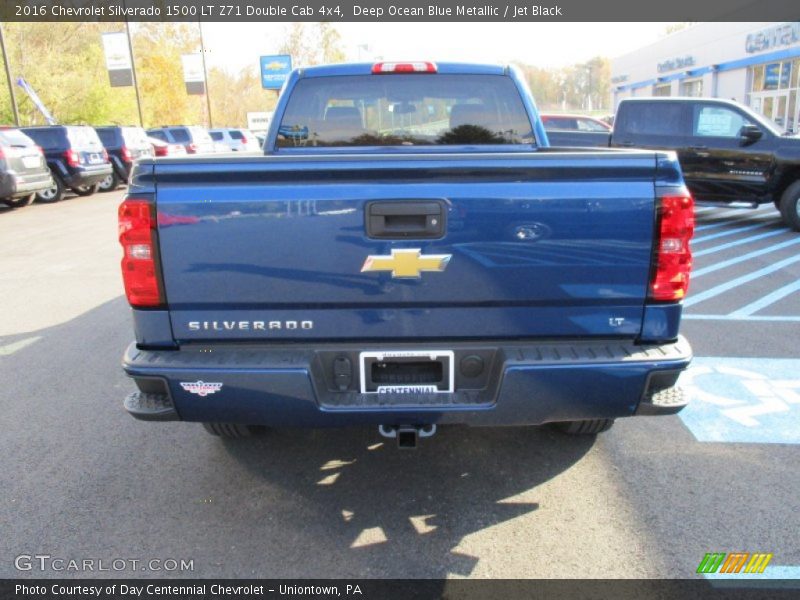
161 150
672 260
126 154
2 153
244 139
191 148
383 68
105 155
39 148
72 158
139 270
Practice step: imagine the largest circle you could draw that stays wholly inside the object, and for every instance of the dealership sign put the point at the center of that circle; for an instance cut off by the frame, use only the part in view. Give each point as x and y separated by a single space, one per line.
785 34
118 59
193 74
275 70
676 63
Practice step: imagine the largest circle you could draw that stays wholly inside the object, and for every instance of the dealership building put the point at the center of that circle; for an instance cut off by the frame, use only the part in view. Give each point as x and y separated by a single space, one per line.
756 64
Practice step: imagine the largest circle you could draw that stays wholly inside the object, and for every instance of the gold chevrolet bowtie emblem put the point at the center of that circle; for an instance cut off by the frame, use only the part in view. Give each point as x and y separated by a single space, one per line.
406 263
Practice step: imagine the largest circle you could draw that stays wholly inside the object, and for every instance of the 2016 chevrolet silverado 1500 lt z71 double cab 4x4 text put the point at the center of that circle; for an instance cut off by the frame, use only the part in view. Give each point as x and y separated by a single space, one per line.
409 253
728 153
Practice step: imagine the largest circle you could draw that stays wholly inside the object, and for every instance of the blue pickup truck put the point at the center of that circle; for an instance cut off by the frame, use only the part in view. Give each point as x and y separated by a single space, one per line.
409 252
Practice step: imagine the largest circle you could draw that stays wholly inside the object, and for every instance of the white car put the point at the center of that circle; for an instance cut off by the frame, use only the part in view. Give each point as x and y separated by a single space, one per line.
238 140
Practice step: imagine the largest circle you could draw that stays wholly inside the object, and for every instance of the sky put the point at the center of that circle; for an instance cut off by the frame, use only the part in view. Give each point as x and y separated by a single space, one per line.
237 45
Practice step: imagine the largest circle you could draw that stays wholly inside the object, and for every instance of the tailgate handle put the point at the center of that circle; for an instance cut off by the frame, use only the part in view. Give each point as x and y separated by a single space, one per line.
398 219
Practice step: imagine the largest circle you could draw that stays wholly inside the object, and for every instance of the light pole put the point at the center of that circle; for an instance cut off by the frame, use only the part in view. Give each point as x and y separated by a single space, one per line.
205 75
133 74
8 77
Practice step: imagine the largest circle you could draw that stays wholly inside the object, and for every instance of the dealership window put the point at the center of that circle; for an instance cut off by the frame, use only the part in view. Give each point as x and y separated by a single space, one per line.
692 88
774 88
663 89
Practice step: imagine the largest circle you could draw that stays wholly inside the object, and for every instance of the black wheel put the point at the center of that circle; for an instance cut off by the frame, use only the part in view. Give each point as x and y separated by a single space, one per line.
790 206
86 190
19 202
110 183
52 194
232 431
589 427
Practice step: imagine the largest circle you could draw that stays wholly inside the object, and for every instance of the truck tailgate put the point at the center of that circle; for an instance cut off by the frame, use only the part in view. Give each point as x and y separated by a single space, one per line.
540 244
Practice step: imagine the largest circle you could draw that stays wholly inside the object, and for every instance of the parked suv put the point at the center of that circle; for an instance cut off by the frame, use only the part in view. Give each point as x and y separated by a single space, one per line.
238 140
23 170
124 145
195 139
76 158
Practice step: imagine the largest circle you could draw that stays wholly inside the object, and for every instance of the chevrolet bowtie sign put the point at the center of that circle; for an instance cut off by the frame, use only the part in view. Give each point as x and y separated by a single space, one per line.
406 263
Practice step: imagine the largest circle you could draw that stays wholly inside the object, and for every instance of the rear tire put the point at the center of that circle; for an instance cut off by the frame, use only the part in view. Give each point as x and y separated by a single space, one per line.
86 190
790 206
589 427
53 194
232 431
110 183
20 202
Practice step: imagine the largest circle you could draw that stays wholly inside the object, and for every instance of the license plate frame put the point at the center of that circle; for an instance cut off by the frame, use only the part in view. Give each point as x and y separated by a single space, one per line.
446 385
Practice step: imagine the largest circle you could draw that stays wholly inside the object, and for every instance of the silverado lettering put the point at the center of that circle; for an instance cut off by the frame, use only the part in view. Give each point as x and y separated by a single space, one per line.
326 301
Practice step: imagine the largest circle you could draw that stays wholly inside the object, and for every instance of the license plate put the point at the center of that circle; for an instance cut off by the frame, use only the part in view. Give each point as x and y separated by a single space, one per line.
407 372
95 158
31 162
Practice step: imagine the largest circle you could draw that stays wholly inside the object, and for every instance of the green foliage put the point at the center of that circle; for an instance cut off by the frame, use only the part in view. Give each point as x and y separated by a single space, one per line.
582 87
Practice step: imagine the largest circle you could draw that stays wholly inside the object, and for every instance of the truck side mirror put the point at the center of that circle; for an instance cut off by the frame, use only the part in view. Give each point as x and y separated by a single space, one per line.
750 134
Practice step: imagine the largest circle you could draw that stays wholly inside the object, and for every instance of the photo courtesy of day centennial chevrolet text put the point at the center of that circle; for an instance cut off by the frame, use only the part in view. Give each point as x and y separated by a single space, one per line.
410 252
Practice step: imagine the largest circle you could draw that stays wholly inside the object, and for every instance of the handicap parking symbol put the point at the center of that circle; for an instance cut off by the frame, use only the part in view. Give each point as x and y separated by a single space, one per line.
753 400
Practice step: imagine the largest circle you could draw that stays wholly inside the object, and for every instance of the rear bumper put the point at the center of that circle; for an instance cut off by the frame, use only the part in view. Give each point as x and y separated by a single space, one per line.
14 186
290 385
87 177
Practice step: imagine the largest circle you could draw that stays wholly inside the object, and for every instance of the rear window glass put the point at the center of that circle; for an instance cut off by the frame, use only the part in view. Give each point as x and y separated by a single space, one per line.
159 135
83 137
135 137
653 118
236 134
180 135
200 135
14 137
216 136
47 138
108 137
405 110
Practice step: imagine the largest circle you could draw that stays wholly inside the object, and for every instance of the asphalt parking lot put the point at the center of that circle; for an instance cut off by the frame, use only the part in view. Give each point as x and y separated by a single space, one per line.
81 479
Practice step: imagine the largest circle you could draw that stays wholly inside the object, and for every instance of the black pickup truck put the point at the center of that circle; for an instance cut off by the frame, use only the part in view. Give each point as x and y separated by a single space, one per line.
727 152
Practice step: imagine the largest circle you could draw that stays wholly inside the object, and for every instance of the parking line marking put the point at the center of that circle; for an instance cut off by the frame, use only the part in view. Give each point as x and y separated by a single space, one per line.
743 257
752 238
789 574
771 298
762 217
728 285
10 349
713 236
742 400
764 318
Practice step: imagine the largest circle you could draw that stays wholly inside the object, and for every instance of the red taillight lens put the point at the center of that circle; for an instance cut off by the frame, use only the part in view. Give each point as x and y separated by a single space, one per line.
383 68
126 154
160 150
672 257
2 153
72 158
139 271
191 148
39 148
105 155
244 139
